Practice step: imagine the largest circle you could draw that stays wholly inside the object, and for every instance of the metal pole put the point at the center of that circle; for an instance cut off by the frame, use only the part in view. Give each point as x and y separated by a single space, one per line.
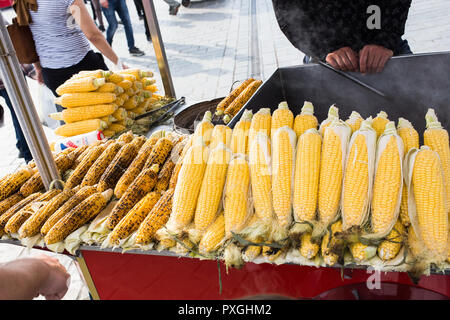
160 52
23 105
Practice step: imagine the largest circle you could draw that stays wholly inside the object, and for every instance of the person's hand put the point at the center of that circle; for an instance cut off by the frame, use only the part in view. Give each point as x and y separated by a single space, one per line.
104 3
124 66
345 59
57 282
373 58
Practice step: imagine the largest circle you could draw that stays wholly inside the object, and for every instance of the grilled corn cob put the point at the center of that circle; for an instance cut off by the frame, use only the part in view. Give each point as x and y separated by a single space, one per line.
16 208
232 96
80 171
14 181
9 202
241 100
159 152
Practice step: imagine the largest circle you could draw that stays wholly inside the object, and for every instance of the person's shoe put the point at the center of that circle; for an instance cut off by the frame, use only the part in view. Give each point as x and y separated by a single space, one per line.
2 112
173 10
102 28
120 22
136 52
141 17
186 3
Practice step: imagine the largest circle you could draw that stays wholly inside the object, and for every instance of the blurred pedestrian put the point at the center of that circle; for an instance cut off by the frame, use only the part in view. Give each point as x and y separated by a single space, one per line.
21 144
109 8
63 32
97 14
141 13
173 6
27 278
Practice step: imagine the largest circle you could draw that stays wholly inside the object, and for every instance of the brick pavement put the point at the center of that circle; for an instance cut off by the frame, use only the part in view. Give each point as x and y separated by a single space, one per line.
208 49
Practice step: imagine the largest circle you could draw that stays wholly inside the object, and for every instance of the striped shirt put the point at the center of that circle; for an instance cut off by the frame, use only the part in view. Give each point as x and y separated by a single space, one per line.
59 41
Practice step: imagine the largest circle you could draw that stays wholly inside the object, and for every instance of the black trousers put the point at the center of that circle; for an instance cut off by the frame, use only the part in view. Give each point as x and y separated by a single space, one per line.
53 78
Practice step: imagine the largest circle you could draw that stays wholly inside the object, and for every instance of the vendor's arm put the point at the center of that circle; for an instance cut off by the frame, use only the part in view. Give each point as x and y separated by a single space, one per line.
385 42
92 32
27 278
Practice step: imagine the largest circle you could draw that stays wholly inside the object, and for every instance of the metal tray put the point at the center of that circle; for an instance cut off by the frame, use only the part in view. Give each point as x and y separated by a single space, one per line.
413 84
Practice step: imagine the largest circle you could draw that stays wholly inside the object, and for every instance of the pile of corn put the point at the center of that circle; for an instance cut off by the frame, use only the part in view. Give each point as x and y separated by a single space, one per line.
104 100
236 99
275 188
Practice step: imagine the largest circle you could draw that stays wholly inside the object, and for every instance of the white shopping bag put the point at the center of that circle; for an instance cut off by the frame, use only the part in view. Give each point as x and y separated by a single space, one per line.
46 106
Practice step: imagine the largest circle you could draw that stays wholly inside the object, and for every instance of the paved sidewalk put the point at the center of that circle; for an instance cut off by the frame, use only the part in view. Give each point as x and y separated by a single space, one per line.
208 48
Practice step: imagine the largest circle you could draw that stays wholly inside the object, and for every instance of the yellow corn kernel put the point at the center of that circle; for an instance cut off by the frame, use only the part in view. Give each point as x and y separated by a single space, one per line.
74 100
333 114
305 120
261 122
220 134
379 123
281 117
362 252
213 236
308 249
239 138
354 121
80 127
203 130
80 85
409 135
390 247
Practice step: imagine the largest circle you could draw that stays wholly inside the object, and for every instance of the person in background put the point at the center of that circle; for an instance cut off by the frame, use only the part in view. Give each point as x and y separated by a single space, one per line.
27 278
109 8
63 32
175 5
344 33
141 13
21 144
97 14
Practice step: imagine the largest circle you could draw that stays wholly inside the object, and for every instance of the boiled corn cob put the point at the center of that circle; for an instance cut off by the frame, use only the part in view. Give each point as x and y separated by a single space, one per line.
333 114
137 73
305 120
221 134
142 185
179 162
109 120
120 114
73 201
80 127
281 117
203 129
78 216
32 226
232 96
436 137
239 138
84 113
387 187
307 248
114 78
117 128
362 252
80 85
110 87
328 240
354 121
134 217
213 236
156 219
261 122
92 73
73 100
390 247
131 103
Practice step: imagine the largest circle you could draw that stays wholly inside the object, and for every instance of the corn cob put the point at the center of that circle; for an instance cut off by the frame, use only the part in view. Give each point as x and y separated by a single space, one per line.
159 153
188 187
261 122
387 188
436 137
429 218
179 162
281 117
389 248
241 100
213 236
94 173
156 219
283 157
147 81
79 156
9 202
109 87
136 166
152 88
142 185
354 121
236 195
114 78
32 185
78 216
358 176
334 149
125 84
306 177
252 252
331 258
333 114
126 137
117 167
80 85
131 103
80 171
379 123
84 113
16 208
16 221
261 177
108 133
203 129
120 114
138 110
239 138
220 134
80 127
137 85
13 182
308 249
232 96
91 73
137 73
73 100
109 120
119 101
32 226
212 187
305 120
166 172
362 252
77 153
134 217
117 128
80 195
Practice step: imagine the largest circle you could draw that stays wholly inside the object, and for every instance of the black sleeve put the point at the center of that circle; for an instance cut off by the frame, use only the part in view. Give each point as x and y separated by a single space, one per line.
393 19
